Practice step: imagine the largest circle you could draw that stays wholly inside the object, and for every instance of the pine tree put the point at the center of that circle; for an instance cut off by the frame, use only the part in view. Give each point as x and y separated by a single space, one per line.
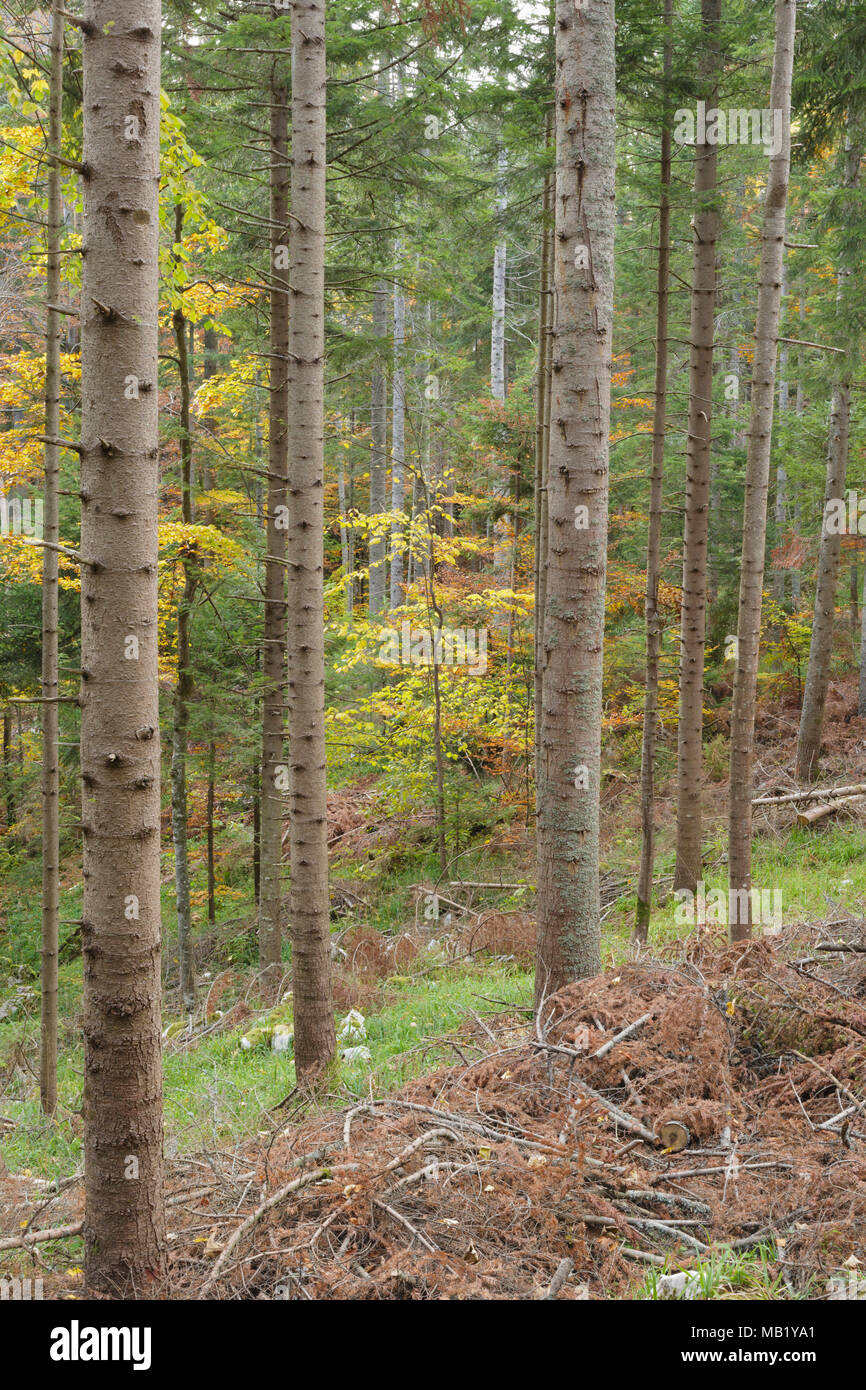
694 602
124 1224
758 480
274 779
570 747
50 589
310 909
654 535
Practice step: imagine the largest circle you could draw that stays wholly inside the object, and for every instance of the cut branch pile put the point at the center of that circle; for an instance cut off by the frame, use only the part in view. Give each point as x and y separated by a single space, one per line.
539 1170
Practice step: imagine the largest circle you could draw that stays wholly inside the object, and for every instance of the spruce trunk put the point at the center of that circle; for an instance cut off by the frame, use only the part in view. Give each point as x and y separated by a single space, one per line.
694 601
654 535
310 912
50 594
124 1229
568 945
758 482
274 781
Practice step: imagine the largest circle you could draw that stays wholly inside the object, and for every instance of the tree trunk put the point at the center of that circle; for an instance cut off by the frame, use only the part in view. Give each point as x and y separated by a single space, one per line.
504 542
781 509
654 535
821 645
257 840
861 693
310 910
398 447
694 600
568 821
209 423
796 580
184 684
50 593
211 875
758 482
497 329
542 392
348 582
7 767
274 780
378 456
124 1231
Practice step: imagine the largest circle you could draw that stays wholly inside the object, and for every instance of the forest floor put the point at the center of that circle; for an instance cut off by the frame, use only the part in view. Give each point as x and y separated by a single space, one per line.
466 1149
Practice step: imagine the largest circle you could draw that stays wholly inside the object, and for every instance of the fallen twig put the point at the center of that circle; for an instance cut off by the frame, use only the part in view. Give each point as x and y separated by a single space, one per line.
563 1270
809 794
38 1237
246 1226
621 1036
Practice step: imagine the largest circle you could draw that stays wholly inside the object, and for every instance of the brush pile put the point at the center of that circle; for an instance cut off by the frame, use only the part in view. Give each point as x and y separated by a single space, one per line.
649 1118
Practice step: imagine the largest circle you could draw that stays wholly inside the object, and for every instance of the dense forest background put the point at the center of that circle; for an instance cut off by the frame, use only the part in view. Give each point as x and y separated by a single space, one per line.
425 923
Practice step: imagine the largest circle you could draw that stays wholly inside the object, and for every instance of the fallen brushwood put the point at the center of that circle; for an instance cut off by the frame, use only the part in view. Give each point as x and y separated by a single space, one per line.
38 1237
621 1036
622 1118
855 947
669 1199
813 814
667 1228
492 887
678 1173
809 794
318 1175
563 1270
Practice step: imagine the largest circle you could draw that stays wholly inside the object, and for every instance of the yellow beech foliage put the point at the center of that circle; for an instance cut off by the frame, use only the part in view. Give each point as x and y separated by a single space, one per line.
22 390
203 545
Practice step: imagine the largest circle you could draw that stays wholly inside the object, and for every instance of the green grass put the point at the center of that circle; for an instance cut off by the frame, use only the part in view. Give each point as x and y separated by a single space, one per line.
819 873
729 1275
216 1092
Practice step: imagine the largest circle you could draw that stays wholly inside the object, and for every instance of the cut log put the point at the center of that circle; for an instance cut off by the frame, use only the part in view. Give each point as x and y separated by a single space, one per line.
809 794
812 814
674 1135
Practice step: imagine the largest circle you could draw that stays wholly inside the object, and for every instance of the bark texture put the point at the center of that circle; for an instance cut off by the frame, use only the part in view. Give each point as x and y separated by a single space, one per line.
542 436
50 594
821 645
274 783
398 446
568 821
861 691
694 601
378 456
654 534
758 481
124 1226
500 260
310 912
184 684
